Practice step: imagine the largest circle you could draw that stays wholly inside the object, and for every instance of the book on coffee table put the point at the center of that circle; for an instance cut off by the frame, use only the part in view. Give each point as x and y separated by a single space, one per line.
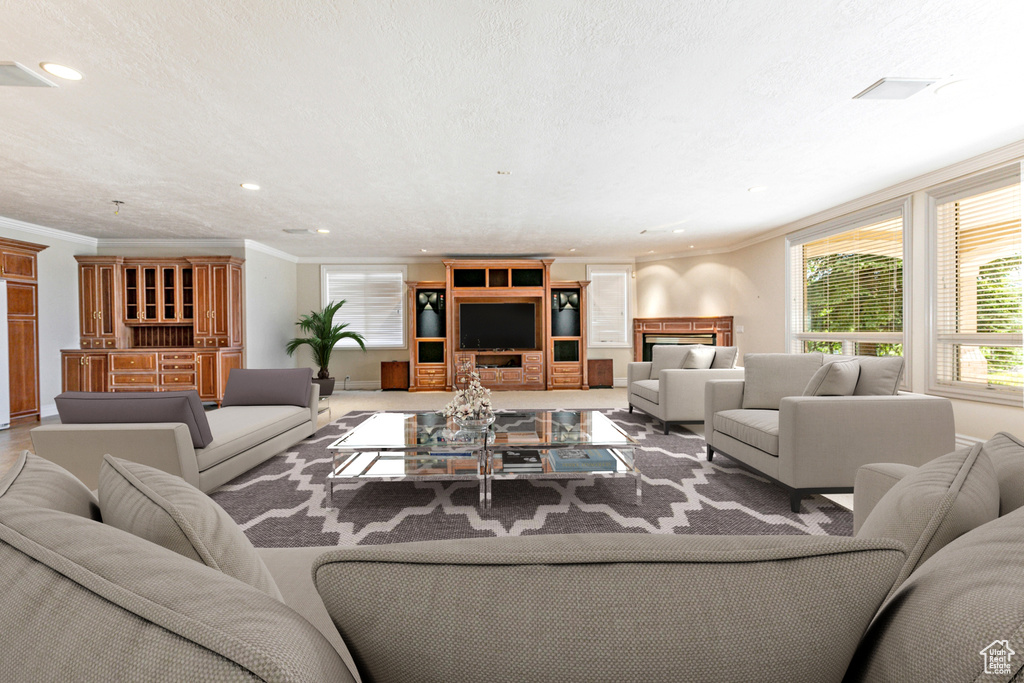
522 461
581 460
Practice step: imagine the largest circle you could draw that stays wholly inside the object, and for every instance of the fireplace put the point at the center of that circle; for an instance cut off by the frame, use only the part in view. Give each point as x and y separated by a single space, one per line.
650 331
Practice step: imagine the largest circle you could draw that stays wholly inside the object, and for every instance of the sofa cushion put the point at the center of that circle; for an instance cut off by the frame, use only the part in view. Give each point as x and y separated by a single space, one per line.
92 407
1007 454
699 358
770 377
646 389
668 357
37 481
93 603
725 357
879 375
834 379
287 386
172 513
757 428
942 500
607 607
935 625
239 428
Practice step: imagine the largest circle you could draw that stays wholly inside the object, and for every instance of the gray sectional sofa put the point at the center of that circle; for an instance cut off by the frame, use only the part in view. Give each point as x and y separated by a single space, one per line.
808 421
671 386
263 413
153 582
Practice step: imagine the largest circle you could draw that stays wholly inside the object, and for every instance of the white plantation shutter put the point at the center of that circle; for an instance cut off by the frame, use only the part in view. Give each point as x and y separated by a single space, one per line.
847 285
608 306
977 334
374 303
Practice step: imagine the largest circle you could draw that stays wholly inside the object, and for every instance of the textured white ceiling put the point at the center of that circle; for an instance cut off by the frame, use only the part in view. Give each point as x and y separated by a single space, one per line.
387 123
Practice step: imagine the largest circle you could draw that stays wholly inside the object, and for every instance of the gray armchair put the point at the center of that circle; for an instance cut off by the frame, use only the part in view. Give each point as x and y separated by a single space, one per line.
814 444
667 390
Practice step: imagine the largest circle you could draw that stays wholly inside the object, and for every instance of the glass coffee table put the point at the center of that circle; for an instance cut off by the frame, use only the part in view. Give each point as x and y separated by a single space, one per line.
547 444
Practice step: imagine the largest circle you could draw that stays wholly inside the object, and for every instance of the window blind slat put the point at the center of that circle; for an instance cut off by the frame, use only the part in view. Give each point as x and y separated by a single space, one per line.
608 299
374 305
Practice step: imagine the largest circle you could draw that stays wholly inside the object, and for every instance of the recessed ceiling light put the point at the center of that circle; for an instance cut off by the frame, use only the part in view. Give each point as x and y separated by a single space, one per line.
323 231
953 87
757 188
679 230
573 249
691 246
423 250
60 71
651 251
250 186
894 88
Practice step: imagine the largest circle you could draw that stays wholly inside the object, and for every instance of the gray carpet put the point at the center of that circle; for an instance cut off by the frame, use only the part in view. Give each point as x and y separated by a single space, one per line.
283 502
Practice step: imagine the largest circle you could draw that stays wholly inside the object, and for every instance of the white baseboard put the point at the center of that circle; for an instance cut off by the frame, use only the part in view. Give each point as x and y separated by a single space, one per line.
359 385
962 440
619 382
48 410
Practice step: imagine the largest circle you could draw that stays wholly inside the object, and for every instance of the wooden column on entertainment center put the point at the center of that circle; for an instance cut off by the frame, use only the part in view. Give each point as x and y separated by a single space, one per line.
18 265
157 324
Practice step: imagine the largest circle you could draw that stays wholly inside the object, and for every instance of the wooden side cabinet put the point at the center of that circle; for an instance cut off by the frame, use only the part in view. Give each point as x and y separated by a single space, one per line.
84 371
600 373
99 302
18 265
394 375
217 286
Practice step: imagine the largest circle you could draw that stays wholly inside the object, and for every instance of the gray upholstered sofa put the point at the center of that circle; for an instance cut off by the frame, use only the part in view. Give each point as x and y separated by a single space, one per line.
808 421
263 413
671 386
153 582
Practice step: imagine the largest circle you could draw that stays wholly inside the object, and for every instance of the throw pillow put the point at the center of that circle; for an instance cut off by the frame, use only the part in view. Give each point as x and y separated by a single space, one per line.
699 358
38 482
942 500
879 375
93 407
963 600
170 512
834 379
1007 454
725 357
290 386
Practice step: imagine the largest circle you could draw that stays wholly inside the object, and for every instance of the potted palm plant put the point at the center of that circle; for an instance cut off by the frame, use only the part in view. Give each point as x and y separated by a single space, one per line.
322 336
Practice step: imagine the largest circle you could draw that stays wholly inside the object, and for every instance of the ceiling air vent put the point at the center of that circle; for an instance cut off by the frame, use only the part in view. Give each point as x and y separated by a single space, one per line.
894 88
12 73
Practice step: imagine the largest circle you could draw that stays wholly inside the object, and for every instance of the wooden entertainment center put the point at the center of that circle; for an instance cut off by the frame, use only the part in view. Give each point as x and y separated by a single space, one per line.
441 342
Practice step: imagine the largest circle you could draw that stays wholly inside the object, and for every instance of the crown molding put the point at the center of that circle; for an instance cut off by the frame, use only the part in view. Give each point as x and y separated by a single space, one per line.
53 233
365 260
270 251
129 243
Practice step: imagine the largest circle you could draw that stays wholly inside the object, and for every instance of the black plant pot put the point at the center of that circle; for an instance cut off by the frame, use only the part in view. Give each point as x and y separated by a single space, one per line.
326 385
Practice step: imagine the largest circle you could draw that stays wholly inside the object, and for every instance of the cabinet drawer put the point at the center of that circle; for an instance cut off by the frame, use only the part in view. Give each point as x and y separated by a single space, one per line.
532 368
133 361
463 358
566 369
188 378
531 357
567 379
176 355
185 366
487 375
510 375
430 381
533 379
430 372
117 379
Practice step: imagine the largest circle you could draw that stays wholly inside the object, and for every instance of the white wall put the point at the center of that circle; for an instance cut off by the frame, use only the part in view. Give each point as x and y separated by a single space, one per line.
58 299
270 309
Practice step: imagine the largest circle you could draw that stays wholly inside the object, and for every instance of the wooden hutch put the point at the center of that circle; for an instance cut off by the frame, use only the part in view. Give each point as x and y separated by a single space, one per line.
18 266
157 324
556 358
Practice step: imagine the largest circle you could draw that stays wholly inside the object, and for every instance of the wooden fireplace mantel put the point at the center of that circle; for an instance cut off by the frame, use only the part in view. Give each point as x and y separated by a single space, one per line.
720 326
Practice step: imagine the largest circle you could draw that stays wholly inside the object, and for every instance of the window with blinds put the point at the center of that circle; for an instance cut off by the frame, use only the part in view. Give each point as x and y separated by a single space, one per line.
608 314
374 303
977 336
846 283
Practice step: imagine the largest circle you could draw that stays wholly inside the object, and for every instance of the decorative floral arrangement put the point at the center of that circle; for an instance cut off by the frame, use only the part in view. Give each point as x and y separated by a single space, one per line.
471 402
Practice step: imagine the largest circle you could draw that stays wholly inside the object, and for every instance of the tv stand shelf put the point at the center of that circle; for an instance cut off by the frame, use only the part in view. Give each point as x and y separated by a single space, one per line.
505 370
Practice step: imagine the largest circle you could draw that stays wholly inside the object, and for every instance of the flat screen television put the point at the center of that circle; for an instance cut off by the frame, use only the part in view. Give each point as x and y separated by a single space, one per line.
497 326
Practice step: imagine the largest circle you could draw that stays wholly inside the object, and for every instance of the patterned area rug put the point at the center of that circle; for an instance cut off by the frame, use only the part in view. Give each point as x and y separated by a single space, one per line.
284 502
